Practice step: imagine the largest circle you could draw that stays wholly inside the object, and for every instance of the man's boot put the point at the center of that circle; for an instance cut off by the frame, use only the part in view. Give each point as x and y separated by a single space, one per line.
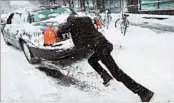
106 78
145 95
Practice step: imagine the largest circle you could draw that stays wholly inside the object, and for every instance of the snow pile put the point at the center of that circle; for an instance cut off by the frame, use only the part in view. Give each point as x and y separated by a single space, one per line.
137 18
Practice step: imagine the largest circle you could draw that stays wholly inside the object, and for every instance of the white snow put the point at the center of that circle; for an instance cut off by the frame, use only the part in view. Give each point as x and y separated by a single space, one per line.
67 44
41 16
17 77
22 4
4 16
138 19
59 18
145 55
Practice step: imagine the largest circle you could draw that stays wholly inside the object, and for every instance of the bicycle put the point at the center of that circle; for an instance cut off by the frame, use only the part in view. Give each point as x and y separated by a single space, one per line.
105 19
123 24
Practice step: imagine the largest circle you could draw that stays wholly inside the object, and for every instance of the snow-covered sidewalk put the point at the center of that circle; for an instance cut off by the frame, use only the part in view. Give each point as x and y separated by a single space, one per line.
140 18
145 55
158 22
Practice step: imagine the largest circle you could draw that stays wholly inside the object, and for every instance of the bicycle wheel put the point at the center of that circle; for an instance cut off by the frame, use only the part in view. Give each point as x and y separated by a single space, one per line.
109 19
122 27
125 28
103 22
116 22
127 22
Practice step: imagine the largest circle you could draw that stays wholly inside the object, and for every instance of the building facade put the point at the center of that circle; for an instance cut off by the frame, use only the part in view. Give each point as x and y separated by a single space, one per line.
151 6
115 6
156 6
112 5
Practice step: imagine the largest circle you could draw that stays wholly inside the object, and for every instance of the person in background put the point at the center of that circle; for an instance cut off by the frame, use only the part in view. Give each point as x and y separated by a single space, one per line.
84 34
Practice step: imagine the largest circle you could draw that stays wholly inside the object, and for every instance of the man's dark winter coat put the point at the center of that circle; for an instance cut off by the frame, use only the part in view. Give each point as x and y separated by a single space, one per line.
83 32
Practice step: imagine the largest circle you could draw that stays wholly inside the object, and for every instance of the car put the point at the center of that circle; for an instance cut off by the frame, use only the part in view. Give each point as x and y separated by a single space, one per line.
30 30
3 19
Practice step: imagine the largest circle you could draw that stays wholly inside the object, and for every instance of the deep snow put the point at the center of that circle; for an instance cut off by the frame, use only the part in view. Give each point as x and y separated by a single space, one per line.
145 55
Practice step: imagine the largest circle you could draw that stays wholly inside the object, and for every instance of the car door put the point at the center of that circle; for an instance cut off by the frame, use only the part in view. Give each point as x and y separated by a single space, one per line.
15 28
26 28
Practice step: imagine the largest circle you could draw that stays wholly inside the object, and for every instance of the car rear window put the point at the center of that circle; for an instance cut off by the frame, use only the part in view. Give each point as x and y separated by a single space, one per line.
45 14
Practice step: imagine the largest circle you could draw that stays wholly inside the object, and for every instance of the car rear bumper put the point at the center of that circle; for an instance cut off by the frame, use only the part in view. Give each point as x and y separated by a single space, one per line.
57 51
52 54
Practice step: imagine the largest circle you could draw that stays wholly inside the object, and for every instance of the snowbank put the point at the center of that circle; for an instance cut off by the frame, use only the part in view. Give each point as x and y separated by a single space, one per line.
139 19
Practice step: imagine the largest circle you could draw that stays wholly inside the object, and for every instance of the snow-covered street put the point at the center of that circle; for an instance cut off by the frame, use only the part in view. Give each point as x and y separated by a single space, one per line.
147 56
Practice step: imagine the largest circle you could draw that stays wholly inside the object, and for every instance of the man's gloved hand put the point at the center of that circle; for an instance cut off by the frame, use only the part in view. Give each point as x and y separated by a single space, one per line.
61 25
59 34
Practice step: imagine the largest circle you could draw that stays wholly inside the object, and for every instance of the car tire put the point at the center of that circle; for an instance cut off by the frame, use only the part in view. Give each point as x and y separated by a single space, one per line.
29 56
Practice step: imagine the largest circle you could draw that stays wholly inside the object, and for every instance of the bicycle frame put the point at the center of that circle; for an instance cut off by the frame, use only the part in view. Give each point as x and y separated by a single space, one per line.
124 22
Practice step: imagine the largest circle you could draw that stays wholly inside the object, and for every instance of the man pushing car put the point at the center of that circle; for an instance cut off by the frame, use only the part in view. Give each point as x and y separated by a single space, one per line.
84 34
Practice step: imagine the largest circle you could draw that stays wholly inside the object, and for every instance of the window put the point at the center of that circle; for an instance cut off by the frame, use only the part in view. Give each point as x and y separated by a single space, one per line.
16 18
45 14
10 18
157 4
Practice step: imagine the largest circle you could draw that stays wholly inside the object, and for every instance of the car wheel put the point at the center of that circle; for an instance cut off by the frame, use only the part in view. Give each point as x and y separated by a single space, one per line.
29 56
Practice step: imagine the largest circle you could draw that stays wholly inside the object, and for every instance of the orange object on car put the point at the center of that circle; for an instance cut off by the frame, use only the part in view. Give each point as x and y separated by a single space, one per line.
98 23
50 36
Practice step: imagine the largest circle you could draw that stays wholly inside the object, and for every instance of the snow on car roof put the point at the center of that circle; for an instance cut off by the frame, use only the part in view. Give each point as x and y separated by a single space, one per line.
41 7
44 7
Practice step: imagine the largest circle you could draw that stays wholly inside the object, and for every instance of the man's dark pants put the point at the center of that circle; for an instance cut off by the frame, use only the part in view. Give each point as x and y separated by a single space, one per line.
103 53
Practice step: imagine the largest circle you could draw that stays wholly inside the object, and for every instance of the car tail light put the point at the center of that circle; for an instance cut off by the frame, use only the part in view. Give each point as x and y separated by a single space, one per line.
98 23
50 36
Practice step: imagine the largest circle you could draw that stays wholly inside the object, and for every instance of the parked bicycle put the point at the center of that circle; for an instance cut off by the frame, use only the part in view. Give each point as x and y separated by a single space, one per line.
107 18
104 17
123 22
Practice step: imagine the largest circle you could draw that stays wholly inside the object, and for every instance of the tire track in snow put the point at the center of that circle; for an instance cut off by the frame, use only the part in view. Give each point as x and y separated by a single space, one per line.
65 80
